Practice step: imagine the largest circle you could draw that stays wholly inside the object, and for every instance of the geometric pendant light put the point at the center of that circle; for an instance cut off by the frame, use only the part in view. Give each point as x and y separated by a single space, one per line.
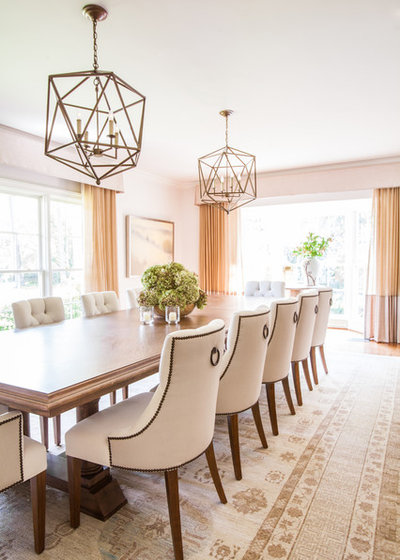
94 121
227 176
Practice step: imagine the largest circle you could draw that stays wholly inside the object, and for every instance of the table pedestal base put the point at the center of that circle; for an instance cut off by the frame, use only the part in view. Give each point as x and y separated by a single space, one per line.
101 495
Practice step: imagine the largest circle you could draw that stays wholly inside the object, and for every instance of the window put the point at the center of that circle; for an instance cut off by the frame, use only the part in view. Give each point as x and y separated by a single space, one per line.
41 250
270 233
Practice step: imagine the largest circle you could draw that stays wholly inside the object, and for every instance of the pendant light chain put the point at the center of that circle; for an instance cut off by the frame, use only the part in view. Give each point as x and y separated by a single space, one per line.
95 60
226 130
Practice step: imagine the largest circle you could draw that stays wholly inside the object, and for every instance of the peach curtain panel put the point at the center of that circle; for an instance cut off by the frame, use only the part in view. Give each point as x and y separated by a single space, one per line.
382 322
220 262
101 268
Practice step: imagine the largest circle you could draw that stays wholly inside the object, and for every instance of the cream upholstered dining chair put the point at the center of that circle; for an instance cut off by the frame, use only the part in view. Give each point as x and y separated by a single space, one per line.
33 313
101 303
308 308
280 346
321 324
241 375
158 431
22 458
38 311
132 299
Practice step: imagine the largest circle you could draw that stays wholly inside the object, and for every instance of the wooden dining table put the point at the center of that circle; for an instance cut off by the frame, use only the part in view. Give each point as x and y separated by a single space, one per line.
50 369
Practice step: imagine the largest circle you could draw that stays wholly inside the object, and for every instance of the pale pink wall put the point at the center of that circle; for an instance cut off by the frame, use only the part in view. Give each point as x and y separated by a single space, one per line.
152 196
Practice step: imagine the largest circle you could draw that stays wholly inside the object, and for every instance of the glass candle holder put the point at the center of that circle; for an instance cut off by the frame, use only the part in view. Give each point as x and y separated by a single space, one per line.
146 314
172 314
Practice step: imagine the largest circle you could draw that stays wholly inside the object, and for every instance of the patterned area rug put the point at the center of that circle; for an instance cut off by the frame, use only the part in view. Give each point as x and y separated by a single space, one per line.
328 487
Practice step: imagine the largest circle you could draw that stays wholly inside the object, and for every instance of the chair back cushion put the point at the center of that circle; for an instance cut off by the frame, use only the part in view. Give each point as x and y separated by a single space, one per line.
133 302
278 289
243 362
11 450
280 343
99 303
265 288
38 311
178 423
251 287
321 321
308 308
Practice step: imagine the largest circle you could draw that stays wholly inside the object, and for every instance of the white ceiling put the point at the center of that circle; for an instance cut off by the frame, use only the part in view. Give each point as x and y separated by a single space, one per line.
310 81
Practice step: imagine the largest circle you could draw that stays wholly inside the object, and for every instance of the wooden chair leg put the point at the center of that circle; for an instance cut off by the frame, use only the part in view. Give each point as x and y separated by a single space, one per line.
212 465
57 429
307 374
171 485
113 397
322 353
74 488
44 431
38 499
296 381
270 389
288 395
313 361
125 392
255 409
233 428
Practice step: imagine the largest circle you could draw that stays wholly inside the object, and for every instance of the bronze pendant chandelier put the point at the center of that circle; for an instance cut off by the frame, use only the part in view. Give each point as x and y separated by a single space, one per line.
100 114
228 175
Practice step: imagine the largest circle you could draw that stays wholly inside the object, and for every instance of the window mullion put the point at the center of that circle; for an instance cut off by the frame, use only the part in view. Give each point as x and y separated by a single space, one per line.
45 250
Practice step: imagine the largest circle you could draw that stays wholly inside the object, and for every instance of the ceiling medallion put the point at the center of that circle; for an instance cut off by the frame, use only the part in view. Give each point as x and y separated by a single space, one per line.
227 176
100 114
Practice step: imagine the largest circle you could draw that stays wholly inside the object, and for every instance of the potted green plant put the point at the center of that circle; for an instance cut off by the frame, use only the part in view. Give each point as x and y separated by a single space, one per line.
173 285
310 250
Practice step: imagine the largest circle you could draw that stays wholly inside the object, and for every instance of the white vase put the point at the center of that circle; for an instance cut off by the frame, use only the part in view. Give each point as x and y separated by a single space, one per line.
311 267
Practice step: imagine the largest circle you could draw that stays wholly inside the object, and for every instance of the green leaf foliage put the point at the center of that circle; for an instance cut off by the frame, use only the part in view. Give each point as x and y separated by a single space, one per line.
171 284
313 246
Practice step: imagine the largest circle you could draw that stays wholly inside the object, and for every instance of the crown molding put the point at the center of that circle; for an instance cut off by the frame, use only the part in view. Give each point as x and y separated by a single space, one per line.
349 164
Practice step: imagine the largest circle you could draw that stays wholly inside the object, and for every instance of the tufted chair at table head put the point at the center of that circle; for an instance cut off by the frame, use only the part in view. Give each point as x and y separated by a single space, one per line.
308 309
251 287
242 370
22 458
38 311
284 314
32 313
99 303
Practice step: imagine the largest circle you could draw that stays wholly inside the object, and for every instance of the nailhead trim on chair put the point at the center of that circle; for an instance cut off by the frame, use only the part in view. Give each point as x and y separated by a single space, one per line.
171 363
21 455
237 338
162 470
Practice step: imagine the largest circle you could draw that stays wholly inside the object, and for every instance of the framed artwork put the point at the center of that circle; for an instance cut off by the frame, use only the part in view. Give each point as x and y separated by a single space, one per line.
148 242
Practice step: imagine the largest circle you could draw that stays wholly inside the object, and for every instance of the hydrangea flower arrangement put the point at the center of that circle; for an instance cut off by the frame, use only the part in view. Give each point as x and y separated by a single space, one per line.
171 284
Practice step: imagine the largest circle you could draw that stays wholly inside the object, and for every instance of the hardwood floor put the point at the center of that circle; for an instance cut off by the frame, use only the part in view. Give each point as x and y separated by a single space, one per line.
351 341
